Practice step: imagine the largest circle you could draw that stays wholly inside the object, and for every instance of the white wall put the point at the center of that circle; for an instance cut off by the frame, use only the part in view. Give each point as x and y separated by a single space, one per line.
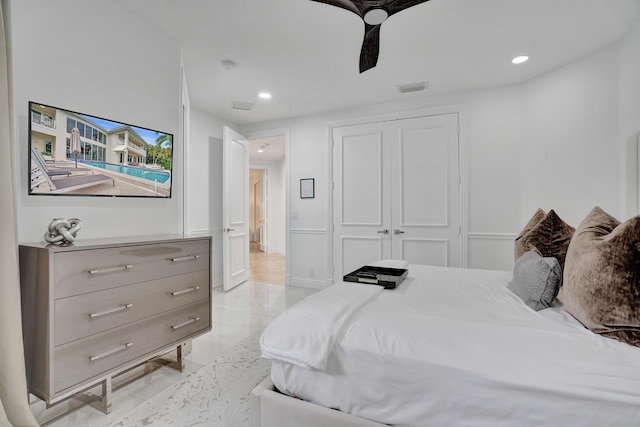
492 123
277 209
204 178
554 142
629 90
570 159
97 58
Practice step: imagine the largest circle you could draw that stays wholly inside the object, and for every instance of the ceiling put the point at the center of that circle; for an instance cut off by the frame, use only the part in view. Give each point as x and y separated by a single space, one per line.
306 53
273 149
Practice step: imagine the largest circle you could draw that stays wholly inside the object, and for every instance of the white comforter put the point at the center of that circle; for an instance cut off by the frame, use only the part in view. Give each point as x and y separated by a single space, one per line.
453 347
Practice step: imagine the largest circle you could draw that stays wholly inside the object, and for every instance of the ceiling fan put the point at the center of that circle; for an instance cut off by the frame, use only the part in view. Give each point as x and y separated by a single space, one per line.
373 13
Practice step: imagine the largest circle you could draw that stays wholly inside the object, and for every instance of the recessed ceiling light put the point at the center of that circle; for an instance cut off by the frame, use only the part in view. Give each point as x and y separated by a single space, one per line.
520 59
260 150
264 95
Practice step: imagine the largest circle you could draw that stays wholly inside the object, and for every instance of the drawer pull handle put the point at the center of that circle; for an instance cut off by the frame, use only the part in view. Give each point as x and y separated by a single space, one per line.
185 258
111 269
185 323
110 352
111 310
185 291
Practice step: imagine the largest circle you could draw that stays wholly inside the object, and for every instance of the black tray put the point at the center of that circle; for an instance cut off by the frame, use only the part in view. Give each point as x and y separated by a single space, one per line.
390 278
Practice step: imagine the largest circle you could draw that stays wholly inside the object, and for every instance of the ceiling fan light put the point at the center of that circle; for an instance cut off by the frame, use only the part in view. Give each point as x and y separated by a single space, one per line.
375 16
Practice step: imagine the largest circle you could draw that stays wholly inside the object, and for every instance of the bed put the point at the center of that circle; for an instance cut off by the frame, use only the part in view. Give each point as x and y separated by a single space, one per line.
448 347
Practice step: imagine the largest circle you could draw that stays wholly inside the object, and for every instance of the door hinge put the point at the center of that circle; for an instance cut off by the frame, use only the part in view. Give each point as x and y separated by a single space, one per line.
459 229
458 129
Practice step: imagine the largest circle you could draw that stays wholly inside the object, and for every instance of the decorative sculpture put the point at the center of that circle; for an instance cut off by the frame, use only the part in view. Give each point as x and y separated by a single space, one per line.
373 13
63 231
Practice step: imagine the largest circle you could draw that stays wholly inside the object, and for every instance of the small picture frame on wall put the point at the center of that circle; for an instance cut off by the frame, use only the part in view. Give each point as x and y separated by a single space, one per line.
307 188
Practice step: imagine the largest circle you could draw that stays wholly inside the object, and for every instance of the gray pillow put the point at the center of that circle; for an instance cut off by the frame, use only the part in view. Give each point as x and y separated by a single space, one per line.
536 279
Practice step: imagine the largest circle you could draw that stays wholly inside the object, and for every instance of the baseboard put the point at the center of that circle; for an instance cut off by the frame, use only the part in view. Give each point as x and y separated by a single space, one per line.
216 281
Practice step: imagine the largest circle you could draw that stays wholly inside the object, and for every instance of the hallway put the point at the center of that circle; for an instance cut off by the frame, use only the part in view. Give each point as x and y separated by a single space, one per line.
267 268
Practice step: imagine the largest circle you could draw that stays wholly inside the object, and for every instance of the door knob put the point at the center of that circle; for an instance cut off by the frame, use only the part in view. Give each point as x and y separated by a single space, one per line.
385 231
397 231
226 230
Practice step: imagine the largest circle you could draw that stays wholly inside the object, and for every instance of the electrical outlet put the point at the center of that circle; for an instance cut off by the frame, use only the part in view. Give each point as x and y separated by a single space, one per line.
311 272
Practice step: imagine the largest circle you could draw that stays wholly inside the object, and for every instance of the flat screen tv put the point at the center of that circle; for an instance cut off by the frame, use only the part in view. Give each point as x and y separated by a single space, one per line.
75 154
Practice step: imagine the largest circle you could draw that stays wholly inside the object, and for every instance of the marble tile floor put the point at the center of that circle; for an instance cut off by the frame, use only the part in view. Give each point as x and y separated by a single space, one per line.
237 314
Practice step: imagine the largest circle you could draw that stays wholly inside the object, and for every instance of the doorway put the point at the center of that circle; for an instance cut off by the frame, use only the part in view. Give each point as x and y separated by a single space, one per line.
267 209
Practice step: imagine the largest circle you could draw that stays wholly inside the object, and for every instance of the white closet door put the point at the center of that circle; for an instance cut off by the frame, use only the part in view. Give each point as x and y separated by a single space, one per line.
425 191
396 193
362 214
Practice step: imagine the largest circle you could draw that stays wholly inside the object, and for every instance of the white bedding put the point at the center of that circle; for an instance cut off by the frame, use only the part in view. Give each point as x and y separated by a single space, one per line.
306 335
455 347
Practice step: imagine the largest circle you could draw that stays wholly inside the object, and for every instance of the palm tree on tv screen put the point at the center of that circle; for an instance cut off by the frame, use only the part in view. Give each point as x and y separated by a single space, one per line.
161 151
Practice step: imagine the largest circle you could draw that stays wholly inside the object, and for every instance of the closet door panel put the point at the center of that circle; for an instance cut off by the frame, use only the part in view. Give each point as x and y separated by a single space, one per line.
359 251
396 192
361 212
361 184
425 191
423 175
426 251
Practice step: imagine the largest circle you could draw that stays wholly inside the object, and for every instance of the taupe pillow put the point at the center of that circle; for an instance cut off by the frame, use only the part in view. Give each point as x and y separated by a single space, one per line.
546 232
602 276
536 280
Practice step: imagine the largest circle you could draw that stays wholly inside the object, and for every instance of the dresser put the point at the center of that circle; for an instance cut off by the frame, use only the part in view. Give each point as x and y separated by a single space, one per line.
96 308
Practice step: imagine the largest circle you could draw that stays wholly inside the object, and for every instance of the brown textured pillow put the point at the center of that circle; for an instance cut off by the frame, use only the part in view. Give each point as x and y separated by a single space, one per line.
546 232
602 276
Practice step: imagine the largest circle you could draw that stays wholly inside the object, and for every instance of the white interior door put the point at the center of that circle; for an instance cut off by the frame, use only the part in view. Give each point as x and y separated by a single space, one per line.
235 208
396 193
263 219
361 217
425 206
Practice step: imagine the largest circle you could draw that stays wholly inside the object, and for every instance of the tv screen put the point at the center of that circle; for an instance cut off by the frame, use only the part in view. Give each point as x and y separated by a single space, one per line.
75 154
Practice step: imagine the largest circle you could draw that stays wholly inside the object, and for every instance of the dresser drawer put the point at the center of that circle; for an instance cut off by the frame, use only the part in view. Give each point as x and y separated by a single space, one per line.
80 272
81 360
87 314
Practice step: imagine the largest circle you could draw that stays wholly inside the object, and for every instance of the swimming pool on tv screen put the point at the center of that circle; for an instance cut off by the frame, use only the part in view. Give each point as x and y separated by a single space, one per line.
148 174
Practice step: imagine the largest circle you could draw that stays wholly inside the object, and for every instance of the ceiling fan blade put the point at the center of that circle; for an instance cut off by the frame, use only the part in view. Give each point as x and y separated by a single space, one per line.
397 6
343 4
370 47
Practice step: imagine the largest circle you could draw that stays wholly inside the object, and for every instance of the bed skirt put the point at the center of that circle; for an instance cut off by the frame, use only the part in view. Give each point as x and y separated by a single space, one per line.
270 408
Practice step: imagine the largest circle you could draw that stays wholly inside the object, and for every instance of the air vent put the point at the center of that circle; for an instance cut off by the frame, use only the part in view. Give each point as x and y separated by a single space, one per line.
237 105
412 87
